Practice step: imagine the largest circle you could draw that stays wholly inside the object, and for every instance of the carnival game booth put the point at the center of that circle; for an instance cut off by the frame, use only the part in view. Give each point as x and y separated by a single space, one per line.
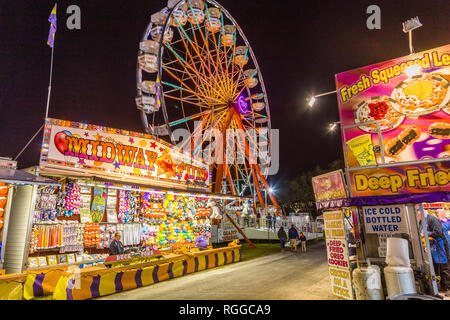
17 196
155 196
395 125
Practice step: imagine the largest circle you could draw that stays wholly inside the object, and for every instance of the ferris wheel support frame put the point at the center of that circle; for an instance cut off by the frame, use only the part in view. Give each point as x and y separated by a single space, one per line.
258 171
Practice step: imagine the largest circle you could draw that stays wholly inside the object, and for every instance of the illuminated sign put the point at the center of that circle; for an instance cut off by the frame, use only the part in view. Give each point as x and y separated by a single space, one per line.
409 97
242 105
115 153
423 178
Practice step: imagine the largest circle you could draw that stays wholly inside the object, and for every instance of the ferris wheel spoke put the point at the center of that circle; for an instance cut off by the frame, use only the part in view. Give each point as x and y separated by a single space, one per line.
190 102
185 65
200 31
210 59
202 97
207 86
197 48
215 42
183 32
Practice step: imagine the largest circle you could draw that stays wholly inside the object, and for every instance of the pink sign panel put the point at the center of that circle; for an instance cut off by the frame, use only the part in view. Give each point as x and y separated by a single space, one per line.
409 96
329 186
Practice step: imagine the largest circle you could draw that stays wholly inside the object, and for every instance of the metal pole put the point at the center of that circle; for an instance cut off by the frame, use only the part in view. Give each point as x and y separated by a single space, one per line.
427 251
411 49
324 94
50 82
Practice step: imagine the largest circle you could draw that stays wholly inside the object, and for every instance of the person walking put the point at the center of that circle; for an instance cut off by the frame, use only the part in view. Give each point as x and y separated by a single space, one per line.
283 237
293 236
116 246
274 221
258 218
303 241
269 221
246 221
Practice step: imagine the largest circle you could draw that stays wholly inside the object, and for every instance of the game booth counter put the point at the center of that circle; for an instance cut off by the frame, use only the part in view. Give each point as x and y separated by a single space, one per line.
106 181
395 125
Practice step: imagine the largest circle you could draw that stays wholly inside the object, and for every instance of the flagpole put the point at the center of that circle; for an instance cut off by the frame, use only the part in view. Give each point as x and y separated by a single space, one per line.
51 74
49 84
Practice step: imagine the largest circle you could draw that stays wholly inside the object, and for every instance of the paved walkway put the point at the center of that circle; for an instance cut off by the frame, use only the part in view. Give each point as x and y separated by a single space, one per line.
288 275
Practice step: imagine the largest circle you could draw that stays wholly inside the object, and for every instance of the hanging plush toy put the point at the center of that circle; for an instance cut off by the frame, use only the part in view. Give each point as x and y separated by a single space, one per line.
98 205
247 211
73 198
168 204
190 209
123 207
133 199
216 213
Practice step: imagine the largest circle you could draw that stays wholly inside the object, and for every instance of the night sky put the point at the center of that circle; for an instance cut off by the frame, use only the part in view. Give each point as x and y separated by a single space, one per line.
299 45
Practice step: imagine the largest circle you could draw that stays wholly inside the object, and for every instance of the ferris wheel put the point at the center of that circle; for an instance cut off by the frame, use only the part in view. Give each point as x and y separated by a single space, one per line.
196 70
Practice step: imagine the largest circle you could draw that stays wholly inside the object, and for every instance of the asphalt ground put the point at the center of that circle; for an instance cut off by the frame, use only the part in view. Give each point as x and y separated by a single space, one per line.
280 276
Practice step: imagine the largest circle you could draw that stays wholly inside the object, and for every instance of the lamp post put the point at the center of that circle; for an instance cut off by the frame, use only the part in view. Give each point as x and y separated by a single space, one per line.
267 223
268 227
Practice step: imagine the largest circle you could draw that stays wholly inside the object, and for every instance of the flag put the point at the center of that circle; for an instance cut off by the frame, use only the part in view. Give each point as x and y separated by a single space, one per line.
51 34
158 92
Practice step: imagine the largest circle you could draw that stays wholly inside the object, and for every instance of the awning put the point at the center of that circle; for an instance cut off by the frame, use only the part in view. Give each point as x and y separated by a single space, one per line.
110 183
402 199
132 185
386 200
18 177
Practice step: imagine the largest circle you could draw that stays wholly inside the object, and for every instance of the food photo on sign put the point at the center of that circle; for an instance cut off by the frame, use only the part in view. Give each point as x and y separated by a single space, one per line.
408 97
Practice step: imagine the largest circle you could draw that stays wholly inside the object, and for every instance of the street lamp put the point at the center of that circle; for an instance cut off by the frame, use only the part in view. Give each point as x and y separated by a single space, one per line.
408 27
313 99
333 126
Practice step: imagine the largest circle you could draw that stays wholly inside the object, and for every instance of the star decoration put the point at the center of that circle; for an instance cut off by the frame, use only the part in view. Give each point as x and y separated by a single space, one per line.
153 145
81 161
98 137
161 149
131 140
86 134
116 165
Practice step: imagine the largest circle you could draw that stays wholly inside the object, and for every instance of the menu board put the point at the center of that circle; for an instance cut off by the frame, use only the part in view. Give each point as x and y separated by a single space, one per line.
409 97
337 253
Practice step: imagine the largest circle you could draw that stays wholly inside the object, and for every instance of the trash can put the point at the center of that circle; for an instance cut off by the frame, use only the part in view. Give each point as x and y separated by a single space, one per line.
367 283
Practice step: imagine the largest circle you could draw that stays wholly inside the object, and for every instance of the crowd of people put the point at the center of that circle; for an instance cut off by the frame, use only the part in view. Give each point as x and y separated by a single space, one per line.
293 237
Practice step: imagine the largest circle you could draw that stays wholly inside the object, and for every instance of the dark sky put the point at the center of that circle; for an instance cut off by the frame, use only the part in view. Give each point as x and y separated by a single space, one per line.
299 45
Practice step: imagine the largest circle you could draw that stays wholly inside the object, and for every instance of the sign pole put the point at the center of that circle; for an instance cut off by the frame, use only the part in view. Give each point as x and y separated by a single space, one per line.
428 252
411 49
